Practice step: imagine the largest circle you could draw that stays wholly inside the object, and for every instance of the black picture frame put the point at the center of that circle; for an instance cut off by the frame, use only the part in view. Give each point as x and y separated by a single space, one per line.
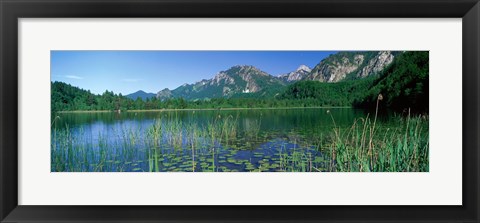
12 10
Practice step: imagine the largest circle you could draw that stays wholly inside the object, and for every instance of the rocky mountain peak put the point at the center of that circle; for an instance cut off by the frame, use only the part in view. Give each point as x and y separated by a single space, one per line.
245 69
235 80
247 79
296 75
377 64
164 94
336 67
304 68
222 77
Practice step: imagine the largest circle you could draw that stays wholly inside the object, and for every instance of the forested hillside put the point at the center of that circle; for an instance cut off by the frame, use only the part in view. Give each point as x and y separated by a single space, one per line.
65 97
69 98
403 85
328 94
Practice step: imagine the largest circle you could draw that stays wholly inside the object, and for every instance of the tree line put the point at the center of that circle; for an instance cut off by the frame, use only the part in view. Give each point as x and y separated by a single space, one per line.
69 98
403 84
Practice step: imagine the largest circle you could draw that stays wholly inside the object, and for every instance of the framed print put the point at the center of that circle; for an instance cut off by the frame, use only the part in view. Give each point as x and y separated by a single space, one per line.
204 111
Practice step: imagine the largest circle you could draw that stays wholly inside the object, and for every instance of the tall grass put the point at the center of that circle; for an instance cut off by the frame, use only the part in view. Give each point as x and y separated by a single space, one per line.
169 144
367 147
254 128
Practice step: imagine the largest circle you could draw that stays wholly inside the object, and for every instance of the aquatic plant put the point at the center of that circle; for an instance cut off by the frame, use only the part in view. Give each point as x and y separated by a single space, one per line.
221 144
363 147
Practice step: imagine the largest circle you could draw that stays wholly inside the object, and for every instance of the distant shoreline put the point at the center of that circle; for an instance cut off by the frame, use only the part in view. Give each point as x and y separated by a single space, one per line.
196 109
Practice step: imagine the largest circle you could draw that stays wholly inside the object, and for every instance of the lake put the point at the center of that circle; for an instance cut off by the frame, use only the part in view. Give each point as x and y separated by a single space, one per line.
243 140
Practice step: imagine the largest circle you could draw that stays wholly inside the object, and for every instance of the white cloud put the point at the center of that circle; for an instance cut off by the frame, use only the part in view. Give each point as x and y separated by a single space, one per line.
74 77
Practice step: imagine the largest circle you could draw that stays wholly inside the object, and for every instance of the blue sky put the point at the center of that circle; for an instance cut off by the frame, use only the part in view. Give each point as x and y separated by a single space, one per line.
151 71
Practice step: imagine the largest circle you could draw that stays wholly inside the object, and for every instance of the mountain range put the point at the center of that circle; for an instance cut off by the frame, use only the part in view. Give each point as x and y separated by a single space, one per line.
300 73
141 94
358 79
249 81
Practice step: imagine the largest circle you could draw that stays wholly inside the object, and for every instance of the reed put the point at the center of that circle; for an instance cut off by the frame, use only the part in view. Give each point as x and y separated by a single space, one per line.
368 147
169 144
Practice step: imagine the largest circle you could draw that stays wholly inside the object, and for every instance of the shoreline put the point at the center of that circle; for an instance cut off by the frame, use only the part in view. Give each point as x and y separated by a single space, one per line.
197 109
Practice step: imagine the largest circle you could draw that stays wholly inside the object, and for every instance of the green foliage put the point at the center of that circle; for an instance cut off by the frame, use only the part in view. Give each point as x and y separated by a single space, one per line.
367 147
403 84
171 143
69 98
65 97
230 85
328 94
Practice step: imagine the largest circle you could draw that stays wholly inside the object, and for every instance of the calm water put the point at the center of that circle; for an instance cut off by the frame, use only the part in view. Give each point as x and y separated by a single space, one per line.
200 140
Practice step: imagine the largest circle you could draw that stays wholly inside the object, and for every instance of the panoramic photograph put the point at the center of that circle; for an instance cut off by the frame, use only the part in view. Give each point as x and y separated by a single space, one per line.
239 111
